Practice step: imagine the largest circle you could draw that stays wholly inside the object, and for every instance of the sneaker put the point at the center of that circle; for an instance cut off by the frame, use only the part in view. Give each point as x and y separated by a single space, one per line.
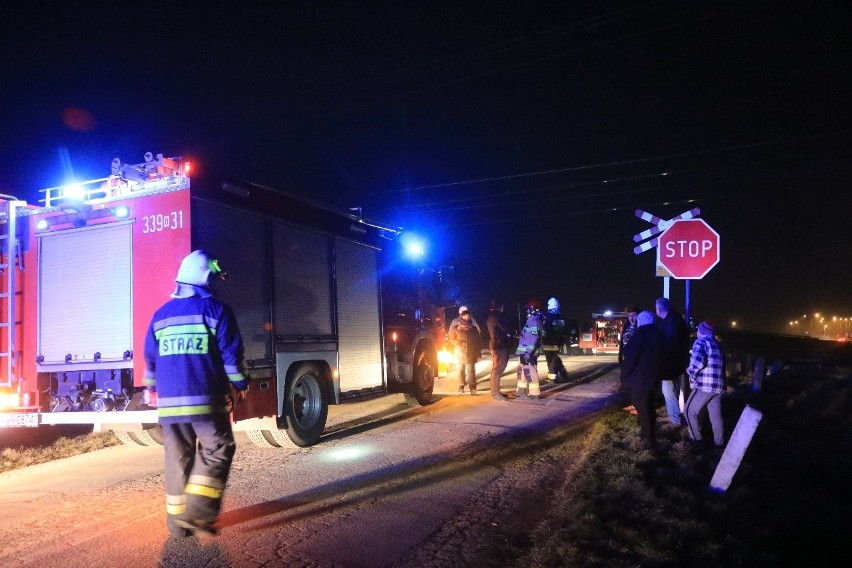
500 397
473 392
461 389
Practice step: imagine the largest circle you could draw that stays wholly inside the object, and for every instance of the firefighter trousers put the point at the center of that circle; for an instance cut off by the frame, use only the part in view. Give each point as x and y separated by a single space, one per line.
198 460
528 379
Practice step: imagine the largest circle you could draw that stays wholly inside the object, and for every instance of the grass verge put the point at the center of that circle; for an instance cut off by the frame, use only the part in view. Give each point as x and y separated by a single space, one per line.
787 506
26 447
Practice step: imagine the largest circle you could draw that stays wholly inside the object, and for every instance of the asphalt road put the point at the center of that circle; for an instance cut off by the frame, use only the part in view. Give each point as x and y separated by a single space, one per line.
387 486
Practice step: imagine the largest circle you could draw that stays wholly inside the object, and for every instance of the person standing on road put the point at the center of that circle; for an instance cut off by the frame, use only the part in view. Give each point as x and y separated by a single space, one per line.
497 344
193 354
464 336
706 379
527 352
640 371
630 327
552 340
675 356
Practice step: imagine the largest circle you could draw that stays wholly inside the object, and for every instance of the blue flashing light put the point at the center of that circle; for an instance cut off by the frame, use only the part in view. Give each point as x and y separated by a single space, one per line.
73 191
413 246
121 211
42 224
608 313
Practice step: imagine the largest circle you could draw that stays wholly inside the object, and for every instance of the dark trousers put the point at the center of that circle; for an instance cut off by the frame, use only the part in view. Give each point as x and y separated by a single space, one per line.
499 360
555 366
198 460
642 399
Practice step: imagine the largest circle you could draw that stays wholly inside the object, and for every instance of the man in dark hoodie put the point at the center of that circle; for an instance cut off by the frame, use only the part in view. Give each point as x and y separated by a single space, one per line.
643 356
675 356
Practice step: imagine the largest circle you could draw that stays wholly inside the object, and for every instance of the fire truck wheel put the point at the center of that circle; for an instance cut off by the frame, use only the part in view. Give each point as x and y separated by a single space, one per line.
305 406
259 439
151 436
422 379
126 438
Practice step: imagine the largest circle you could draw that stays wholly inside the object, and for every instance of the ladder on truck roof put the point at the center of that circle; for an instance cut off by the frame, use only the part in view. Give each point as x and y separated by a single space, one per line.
9 262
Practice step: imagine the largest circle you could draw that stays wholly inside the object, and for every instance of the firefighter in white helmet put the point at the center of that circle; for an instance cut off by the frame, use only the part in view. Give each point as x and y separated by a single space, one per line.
551 341
527 352
193 355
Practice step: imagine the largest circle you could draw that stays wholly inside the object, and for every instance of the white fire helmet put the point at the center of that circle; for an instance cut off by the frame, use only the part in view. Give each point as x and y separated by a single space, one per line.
553 305
463 309
196 268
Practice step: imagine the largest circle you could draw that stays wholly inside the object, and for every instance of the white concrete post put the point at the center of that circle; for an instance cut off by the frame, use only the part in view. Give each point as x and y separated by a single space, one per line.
735 450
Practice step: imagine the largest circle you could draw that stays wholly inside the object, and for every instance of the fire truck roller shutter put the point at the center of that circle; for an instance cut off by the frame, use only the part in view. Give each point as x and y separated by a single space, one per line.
238 240
302 272
358 316
85 293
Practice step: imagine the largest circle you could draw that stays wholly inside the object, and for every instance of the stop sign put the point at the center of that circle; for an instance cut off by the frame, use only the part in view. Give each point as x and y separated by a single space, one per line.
688 249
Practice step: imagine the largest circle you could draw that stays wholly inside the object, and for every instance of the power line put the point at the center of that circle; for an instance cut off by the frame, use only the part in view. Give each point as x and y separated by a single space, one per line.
617 163
620 207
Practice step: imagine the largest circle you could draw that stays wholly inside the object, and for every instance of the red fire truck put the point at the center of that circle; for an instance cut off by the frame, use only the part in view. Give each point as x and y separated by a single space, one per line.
605 334
82 273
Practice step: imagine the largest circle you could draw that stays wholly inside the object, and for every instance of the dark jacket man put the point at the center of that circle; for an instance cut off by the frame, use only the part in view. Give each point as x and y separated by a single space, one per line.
643 357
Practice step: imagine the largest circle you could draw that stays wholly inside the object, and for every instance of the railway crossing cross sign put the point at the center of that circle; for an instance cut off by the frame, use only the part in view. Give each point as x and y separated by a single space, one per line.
688 249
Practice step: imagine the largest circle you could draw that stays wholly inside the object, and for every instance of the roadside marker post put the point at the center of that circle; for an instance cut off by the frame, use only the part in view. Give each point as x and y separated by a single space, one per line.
735 450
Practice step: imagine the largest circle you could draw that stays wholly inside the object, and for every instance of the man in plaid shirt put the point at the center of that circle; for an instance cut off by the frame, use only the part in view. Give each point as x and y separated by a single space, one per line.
706 379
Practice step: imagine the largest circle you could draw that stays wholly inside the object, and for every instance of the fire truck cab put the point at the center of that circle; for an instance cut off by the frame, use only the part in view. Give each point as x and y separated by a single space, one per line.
605 334
82 273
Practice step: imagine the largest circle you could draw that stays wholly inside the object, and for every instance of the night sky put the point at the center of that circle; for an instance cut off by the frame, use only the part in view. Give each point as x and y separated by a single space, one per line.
519 137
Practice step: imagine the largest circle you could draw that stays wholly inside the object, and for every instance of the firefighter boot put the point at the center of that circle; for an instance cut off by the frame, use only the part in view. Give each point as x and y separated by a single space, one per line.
176 531
521 392
201 529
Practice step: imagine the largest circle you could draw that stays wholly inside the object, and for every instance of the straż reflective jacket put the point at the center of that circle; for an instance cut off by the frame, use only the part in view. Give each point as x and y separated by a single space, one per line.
193 350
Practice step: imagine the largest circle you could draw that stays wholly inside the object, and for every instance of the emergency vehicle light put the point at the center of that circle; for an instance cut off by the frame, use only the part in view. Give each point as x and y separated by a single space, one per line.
121 211
73 191
42 224
413 245
9 400
186 167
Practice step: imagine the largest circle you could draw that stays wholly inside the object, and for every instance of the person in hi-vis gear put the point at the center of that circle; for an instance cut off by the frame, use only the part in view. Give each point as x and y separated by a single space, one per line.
193 353
527 352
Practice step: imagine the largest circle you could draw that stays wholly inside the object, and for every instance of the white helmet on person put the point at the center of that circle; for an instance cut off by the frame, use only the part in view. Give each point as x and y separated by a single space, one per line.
463 309
196 270
553 305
